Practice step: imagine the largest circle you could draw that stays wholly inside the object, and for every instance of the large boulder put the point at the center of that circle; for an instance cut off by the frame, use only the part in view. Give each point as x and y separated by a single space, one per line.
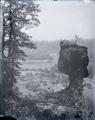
73 59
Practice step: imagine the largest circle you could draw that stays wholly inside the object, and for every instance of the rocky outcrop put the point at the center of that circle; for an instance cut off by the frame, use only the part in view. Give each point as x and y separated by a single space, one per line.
73 61
73 58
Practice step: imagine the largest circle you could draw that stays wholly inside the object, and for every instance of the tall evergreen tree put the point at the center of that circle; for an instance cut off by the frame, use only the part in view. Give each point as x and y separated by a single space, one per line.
16 15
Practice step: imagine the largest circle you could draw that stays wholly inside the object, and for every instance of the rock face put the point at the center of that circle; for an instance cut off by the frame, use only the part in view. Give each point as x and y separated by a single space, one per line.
73 61
73 58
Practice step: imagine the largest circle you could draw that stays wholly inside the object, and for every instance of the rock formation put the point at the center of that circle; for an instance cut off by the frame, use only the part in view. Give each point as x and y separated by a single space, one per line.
73 61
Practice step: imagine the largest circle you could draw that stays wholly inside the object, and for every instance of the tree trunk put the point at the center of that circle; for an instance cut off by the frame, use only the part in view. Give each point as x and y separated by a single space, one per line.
2 110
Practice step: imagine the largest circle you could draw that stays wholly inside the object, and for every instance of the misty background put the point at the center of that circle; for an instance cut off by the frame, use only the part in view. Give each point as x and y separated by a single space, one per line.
60 21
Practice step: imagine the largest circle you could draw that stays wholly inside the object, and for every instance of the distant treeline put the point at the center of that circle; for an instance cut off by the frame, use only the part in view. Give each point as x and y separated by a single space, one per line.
48 50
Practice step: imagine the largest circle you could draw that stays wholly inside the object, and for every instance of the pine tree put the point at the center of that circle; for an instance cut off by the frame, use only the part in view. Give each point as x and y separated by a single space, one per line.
16 15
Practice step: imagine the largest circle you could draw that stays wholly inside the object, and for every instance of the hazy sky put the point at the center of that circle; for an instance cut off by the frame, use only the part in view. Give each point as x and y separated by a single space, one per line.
64 20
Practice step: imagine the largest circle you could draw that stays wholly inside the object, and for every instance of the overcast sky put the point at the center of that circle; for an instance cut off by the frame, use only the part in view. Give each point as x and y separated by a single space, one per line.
63 20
